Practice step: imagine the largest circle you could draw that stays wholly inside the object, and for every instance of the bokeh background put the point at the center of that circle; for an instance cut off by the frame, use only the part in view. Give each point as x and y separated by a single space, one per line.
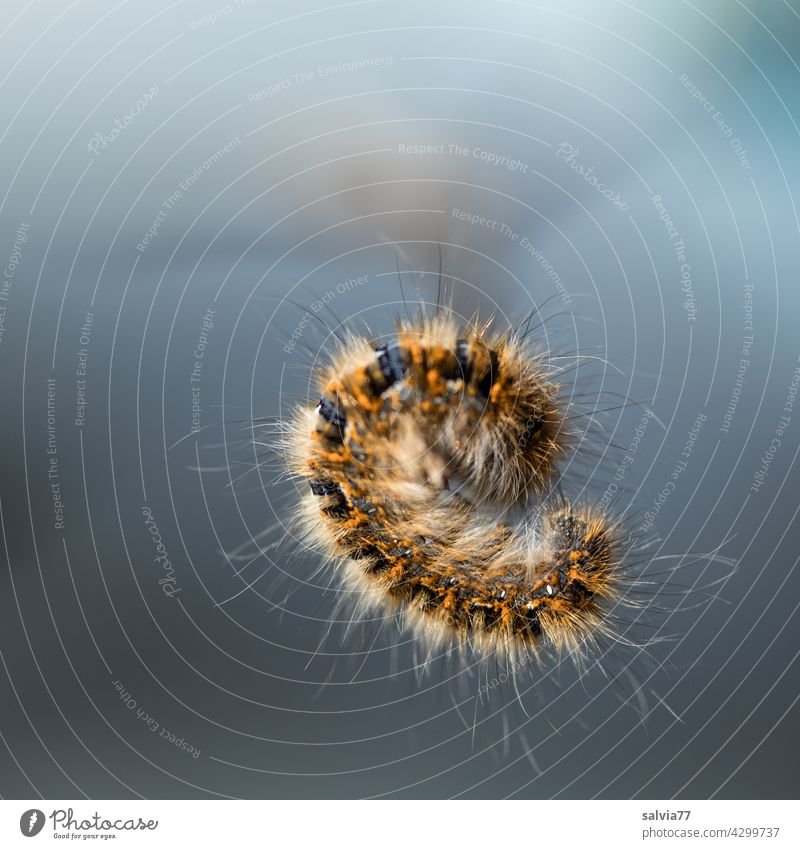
195 194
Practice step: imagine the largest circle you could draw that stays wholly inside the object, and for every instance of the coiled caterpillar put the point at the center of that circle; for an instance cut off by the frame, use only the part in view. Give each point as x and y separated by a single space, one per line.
415 443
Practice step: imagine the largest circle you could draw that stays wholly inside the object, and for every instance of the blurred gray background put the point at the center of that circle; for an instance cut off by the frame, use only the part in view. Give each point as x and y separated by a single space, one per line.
183 183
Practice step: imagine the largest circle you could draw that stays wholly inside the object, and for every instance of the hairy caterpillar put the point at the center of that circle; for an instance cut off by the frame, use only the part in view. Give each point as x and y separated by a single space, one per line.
428 458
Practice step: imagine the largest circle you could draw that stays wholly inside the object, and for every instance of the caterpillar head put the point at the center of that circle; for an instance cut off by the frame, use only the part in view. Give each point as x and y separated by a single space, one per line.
510 431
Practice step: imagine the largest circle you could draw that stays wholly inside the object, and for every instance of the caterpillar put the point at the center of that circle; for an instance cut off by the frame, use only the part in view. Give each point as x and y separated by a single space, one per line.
428 459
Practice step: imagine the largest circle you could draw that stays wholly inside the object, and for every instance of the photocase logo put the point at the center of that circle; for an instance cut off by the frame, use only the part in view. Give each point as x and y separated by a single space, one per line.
31 822
66 825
